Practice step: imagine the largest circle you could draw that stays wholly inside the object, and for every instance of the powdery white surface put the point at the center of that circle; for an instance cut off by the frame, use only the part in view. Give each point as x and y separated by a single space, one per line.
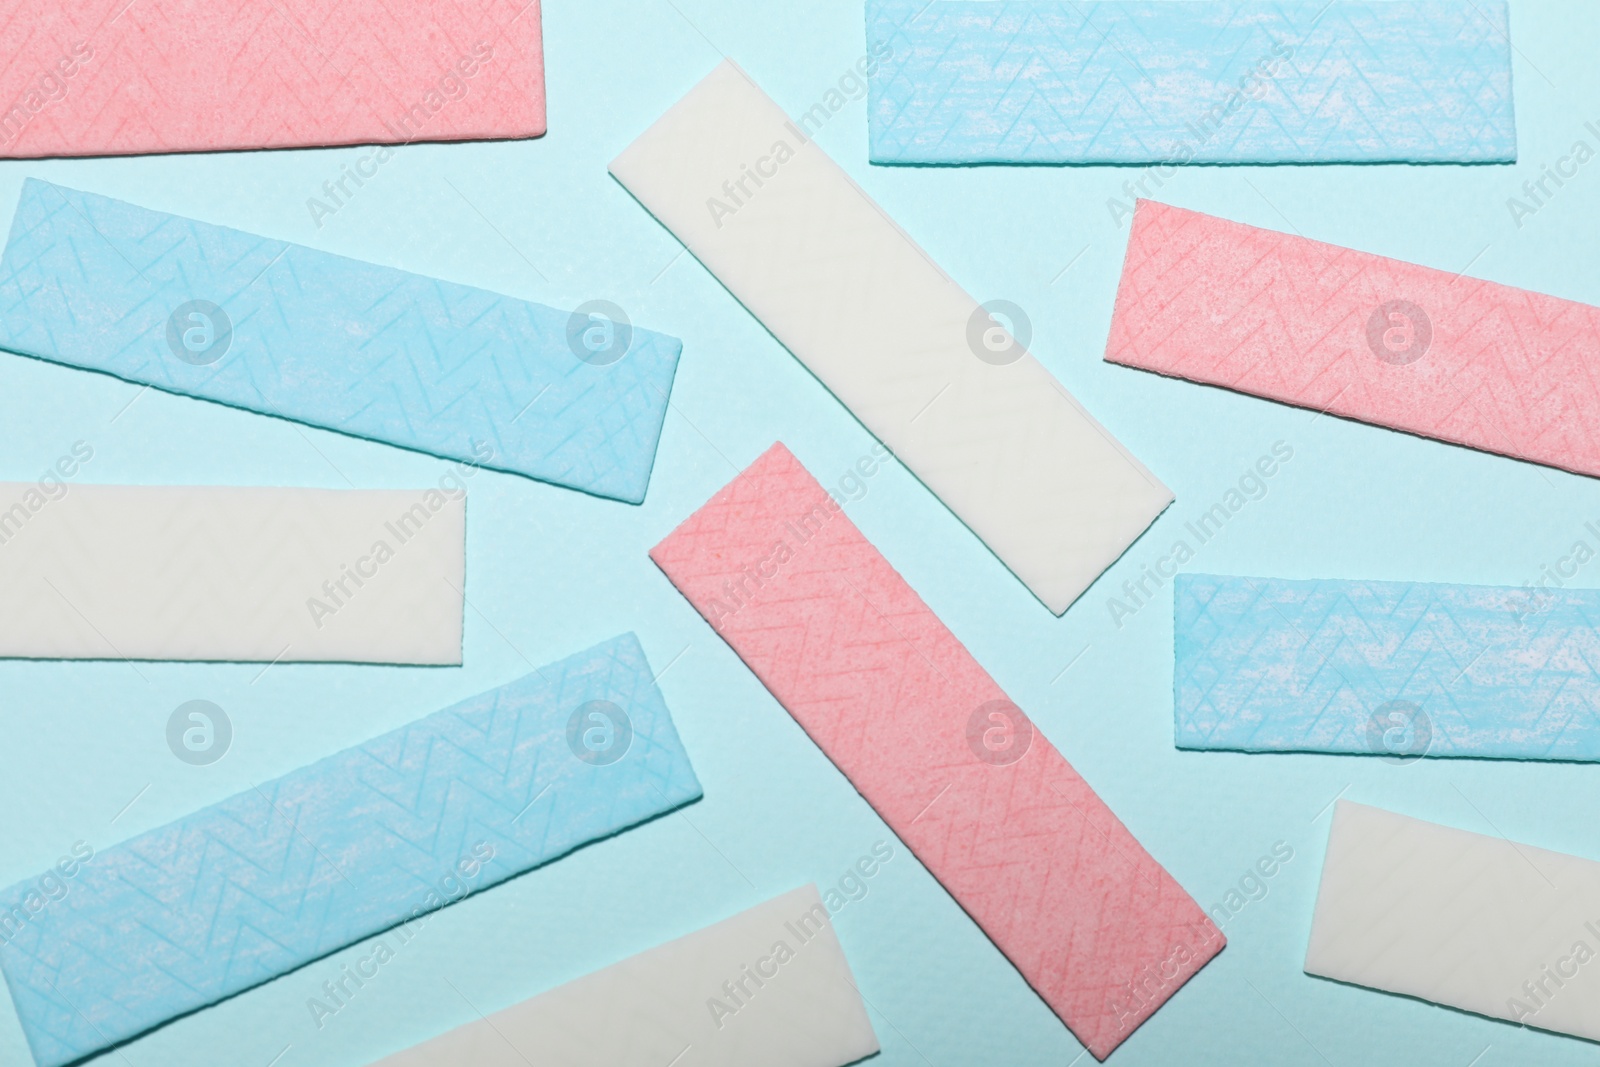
1471 921
231 573
1006 448
699 1001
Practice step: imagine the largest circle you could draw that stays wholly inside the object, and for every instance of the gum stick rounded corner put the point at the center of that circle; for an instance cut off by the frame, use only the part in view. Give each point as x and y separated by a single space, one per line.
1288 81
110 78
1099 929
932 374
1471 921
368 841
1400 670
1429 352
768 986
575 398
230 573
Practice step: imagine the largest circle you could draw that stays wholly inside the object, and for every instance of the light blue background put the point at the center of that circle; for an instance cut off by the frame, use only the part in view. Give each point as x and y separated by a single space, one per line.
552 571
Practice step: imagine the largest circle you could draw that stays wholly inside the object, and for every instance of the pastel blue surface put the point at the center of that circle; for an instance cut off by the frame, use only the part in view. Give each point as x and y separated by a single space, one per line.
1211 81
273 878
368 350
550 570
1393 668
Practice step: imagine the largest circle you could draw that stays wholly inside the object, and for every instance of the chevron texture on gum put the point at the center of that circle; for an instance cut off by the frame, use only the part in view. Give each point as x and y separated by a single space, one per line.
106 77
355 347
1390 668
1095 925
1411 348
1237 81
261 883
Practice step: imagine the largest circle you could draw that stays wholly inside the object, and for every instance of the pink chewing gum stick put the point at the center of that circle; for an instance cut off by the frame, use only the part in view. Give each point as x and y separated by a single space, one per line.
1411 348
1096 926
109 77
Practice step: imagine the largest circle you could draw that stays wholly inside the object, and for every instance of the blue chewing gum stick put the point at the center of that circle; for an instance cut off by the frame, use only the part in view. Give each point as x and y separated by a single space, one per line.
1401 669
376 837
1189 81
573 398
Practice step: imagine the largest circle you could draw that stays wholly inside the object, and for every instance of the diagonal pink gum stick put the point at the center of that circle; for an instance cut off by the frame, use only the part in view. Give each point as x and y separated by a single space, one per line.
1095 925
110 77
1358 335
